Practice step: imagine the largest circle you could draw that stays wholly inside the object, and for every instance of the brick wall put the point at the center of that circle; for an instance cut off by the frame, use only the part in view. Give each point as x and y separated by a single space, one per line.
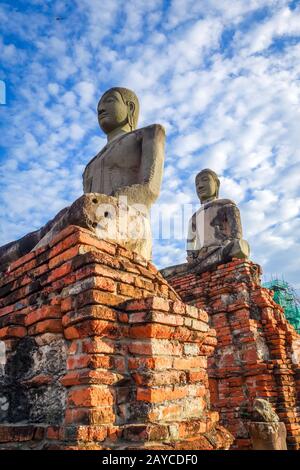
258 351
99 352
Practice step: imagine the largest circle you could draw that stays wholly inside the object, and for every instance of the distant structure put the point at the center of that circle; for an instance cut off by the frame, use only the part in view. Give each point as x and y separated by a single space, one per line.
285 295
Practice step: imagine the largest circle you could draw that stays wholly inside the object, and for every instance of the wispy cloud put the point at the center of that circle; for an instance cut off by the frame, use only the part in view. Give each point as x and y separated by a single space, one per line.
223 77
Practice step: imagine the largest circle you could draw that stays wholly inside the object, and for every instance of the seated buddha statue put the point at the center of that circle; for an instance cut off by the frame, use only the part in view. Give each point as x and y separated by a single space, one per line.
215 230
128 171
131 163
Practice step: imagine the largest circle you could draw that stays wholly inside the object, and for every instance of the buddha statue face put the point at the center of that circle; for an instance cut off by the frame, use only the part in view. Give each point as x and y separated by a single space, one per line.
117 110
207 185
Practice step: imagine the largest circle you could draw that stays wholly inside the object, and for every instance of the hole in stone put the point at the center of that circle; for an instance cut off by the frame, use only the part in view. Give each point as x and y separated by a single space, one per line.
95 200
94 224
106 214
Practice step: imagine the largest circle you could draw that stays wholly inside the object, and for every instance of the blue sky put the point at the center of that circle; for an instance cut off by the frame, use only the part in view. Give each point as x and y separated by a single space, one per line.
222 77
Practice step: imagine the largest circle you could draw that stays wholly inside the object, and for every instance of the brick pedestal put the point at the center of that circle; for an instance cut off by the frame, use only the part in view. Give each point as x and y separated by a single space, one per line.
258 351
99 352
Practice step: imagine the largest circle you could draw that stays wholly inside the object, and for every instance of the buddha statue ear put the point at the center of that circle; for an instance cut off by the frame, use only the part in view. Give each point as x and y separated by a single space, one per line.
130 113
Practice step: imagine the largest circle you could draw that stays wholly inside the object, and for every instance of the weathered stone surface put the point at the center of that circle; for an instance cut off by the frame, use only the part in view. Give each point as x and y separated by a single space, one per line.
29 384
16 249
266 432
263 412
267 436
107 217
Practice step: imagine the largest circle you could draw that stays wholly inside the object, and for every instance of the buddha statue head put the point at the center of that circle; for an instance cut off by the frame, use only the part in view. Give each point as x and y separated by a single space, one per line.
207 185
118 111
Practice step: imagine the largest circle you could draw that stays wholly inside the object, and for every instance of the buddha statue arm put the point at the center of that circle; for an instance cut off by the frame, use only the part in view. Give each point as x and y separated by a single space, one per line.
151 168
234 219
234 246
191 241
86 182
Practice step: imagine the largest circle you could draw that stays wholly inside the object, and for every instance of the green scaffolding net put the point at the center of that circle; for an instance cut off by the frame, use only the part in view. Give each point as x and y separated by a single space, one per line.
285 295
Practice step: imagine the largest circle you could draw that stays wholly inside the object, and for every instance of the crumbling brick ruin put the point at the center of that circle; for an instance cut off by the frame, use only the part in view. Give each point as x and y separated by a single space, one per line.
257 352
100 352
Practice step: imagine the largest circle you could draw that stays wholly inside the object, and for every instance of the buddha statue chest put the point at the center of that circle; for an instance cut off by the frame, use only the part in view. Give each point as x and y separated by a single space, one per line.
116 166
215 223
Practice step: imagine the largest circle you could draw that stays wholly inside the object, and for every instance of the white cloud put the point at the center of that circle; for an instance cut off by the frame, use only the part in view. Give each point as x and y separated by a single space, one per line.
283 23
86 91
231 106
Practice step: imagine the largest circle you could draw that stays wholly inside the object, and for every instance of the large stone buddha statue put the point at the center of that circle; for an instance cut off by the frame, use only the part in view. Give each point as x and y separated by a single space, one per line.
215 230
131 164
120 183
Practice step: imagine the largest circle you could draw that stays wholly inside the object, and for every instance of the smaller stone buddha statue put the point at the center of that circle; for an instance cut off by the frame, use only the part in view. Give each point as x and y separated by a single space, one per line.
215 230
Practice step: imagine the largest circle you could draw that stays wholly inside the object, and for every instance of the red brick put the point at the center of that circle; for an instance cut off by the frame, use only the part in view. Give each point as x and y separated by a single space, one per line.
98 297
90 312
191 311
18 433
167 319
64 234
154 303
54 433
65 256
115 274
42 313
191 429
6 310
145 433
159 395
143 283
46 326
145 363
155 378
86 433
197 376
97 377
97 345
129 291
190 363
89 239
21 261
155 347
178 307
66 304
59 272
123 252
13 332
151 331
90 396
100 415
93 328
